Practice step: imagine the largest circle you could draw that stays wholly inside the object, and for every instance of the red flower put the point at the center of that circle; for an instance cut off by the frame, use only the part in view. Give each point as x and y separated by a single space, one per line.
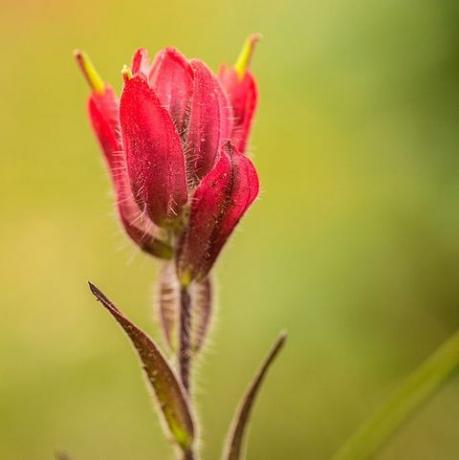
175 145
219 202
241 88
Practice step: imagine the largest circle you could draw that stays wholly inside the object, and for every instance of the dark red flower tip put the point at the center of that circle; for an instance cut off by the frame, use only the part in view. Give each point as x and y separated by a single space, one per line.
171 77
219 202
155 159
141 63
210 122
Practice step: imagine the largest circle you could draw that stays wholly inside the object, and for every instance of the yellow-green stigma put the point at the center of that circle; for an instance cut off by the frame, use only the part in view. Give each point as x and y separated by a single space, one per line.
245 56
89 71
126 72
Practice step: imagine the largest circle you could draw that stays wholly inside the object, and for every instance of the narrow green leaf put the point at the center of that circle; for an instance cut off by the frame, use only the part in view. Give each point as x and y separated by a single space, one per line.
417 388
169 392
235 438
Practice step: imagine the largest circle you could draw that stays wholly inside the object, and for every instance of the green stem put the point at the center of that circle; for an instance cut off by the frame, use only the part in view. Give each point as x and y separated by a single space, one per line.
416 389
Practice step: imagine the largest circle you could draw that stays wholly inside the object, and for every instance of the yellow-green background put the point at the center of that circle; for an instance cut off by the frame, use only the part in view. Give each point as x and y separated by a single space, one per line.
353 245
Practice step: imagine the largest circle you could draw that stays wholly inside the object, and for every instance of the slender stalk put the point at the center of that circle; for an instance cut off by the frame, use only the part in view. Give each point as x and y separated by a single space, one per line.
184 352
416 389
188 455
184 357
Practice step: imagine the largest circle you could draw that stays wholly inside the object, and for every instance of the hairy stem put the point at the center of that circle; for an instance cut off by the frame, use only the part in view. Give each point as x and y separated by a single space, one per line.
184 352
184 357
416 389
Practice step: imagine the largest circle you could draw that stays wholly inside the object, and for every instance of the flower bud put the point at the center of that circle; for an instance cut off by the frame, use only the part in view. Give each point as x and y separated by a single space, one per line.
220 200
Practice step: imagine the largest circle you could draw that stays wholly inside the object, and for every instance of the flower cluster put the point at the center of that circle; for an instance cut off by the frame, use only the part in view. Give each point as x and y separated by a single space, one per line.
175 144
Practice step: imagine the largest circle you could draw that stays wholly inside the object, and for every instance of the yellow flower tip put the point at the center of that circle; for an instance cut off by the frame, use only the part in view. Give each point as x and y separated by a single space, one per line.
126 72
245 56
89 71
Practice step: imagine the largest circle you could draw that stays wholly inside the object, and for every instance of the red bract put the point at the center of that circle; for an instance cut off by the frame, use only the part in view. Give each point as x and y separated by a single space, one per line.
103 114
219 202
210 121
171 77
154 155
241 88
174 145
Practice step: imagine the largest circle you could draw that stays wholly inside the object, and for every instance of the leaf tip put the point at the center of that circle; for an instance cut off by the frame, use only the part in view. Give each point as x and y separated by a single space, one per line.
103 299
97 293
93 288
283 336
234 442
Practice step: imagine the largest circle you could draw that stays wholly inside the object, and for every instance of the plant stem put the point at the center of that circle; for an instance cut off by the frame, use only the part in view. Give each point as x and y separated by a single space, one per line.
184 353
416 389
184 357
188 455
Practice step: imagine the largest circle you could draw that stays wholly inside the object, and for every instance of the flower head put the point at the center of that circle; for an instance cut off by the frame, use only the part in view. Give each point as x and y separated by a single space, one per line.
241 88
175 147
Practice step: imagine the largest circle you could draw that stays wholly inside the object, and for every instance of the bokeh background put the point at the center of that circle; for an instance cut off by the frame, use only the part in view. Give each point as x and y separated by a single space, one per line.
353 246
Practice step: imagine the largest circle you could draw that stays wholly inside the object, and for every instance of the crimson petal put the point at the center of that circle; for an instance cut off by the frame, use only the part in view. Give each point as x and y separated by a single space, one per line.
154 155
103 113
141 62
243 95
210 121
172 79
219 202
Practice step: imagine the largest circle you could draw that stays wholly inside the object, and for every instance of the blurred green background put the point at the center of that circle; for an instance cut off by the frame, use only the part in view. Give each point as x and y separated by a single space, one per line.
353 246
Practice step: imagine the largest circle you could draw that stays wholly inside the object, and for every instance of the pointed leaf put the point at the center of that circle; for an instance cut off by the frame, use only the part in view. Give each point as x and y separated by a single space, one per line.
168 304
168 299
201 312
169 392
235 438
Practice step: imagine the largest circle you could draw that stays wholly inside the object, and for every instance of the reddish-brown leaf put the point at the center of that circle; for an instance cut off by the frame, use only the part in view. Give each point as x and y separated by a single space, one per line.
169 392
